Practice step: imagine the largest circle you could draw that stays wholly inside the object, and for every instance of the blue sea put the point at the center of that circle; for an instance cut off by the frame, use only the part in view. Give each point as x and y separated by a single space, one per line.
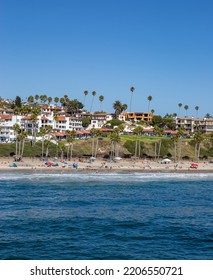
106 216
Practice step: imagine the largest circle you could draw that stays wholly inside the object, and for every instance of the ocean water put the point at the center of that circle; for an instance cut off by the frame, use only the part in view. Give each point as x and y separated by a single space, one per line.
106 216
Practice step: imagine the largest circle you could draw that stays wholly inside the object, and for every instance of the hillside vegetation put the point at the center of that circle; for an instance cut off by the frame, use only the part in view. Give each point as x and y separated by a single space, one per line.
125 148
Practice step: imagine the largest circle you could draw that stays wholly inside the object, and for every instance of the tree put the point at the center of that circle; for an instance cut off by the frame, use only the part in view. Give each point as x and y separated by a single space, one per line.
21 137
179 105
112 123
93 95
35 112
186 107
175 141
18 101
85 94
43 98
49 99
149 98
62 101
93 133
137 131
132 89
119 107
198 137
73 106
36 97
196 108
56 100
86 122
17 130
180 134
30 99
101 99
70 139
124 107
152 111
115 139
43 132
159 132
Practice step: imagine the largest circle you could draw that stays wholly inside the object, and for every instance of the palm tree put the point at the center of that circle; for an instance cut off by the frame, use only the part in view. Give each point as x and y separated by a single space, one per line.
70 140
17 130
85 94
175 141
22 136
56 100
30 99
124 107
62 101
115 139
179 105
34 117
186 107
149 98
93 132
196 108
152 111
44 131
93 95
36 97
132 89
158 131
101 99
137 131
97 135
119 107
46 145
198 137
49 99
180 134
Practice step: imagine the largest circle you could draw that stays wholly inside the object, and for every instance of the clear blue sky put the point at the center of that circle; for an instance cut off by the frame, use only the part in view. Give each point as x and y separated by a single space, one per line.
164 48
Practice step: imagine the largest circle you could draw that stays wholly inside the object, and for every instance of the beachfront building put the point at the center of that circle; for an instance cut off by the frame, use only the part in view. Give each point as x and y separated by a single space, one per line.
191 125
75 124
98 121
138 116
6 127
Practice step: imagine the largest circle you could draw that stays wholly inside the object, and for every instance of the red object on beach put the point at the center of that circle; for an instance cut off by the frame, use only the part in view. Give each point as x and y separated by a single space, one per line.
194 165
49 163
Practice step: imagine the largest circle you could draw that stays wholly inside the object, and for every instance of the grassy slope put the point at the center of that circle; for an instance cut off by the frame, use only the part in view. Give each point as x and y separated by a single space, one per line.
127 145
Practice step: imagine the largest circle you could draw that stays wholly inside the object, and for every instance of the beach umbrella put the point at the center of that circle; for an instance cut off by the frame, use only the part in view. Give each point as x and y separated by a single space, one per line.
194 165
118 158
166 160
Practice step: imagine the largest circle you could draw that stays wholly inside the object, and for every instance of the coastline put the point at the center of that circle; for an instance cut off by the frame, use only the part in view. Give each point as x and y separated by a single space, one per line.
101 166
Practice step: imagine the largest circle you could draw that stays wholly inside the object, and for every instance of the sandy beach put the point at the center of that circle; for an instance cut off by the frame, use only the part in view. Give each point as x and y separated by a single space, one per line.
100 165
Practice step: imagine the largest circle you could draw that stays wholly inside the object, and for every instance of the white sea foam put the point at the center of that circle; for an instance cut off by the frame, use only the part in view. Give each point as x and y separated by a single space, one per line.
105 177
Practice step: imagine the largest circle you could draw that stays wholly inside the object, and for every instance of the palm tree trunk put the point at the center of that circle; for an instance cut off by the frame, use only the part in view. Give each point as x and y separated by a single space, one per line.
155 151
136 147
19 151
198 154
195 151
71 148
96 148
175 152
179 149
159 149
22 152
139 149
42 147
93 146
